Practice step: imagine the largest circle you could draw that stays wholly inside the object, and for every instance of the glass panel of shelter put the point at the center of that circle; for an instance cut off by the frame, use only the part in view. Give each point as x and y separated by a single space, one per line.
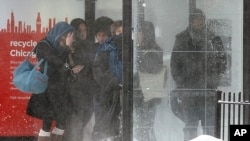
199 42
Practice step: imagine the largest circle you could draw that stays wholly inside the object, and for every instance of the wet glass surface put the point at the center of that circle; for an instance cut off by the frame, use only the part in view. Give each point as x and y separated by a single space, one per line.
174 83
202 53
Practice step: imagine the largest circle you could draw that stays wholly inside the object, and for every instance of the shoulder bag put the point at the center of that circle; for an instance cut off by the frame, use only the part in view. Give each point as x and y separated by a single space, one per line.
27 78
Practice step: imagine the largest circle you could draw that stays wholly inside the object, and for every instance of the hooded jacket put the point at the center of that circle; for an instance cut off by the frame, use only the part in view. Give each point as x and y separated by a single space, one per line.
54 35
52 102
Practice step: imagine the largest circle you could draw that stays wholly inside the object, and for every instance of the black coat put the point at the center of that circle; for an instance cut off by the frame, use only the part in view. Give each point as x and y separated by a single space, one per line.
197 64
53 102
103 76
82 88
150 60
82 85
107 105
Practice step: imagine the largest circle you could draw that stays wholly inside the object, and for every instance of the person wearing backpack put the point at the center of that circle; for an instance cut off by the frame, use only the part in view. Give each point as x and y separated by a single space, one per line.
52 104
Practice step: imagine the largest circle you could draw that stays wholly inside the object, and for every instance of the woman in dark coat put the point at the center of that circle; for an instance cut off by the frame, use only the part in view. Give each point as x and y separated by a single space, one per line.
52 104
149 60
82 85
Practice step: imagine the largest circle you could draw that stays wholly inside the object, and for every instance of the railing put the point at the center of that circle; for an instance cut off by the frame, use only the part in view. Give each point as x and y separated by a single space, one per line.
231 109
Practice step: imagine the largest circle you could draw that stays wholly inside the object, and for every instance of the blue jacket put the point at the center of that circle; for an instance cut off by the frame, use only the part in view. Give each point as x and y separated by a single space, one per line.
115 62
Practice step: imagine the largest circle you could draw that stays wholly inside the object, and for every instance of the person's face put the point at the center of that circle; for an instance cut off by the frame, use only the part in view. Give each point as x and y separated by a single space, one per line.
119 30
198 24
101 37
82 32
66 40
62 41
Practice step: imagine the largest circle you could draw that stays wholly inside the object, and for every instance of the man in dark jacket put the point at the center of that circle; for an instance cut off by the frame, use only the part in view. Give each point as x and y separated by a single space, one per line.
197 62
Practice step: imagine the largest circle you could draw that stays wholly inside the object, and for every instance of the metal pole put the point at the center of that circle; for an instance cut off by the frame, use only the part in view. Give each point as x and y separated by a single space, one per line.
246 57
90 18
127 56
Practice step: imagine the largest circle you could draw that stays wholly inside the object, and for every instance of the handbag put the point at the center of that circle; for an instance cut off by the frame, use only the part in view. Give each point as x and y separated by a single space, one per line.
27 78
152 85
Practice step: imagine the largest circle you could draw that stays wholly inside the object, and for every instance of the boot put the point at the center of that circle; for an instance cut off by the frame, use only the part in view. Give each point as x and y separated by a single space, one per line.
43 138
55 137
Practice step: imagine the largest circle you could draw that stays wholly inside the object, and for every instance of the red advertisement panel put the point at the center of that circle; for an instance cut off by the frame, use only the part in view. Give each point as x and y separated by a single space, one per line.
15 46
17 40
22 24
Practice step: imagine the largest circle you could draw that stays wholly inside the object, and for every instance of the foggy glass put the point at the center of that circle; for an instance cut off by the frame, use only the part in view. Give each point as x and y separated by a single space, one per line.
158 99
177 110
